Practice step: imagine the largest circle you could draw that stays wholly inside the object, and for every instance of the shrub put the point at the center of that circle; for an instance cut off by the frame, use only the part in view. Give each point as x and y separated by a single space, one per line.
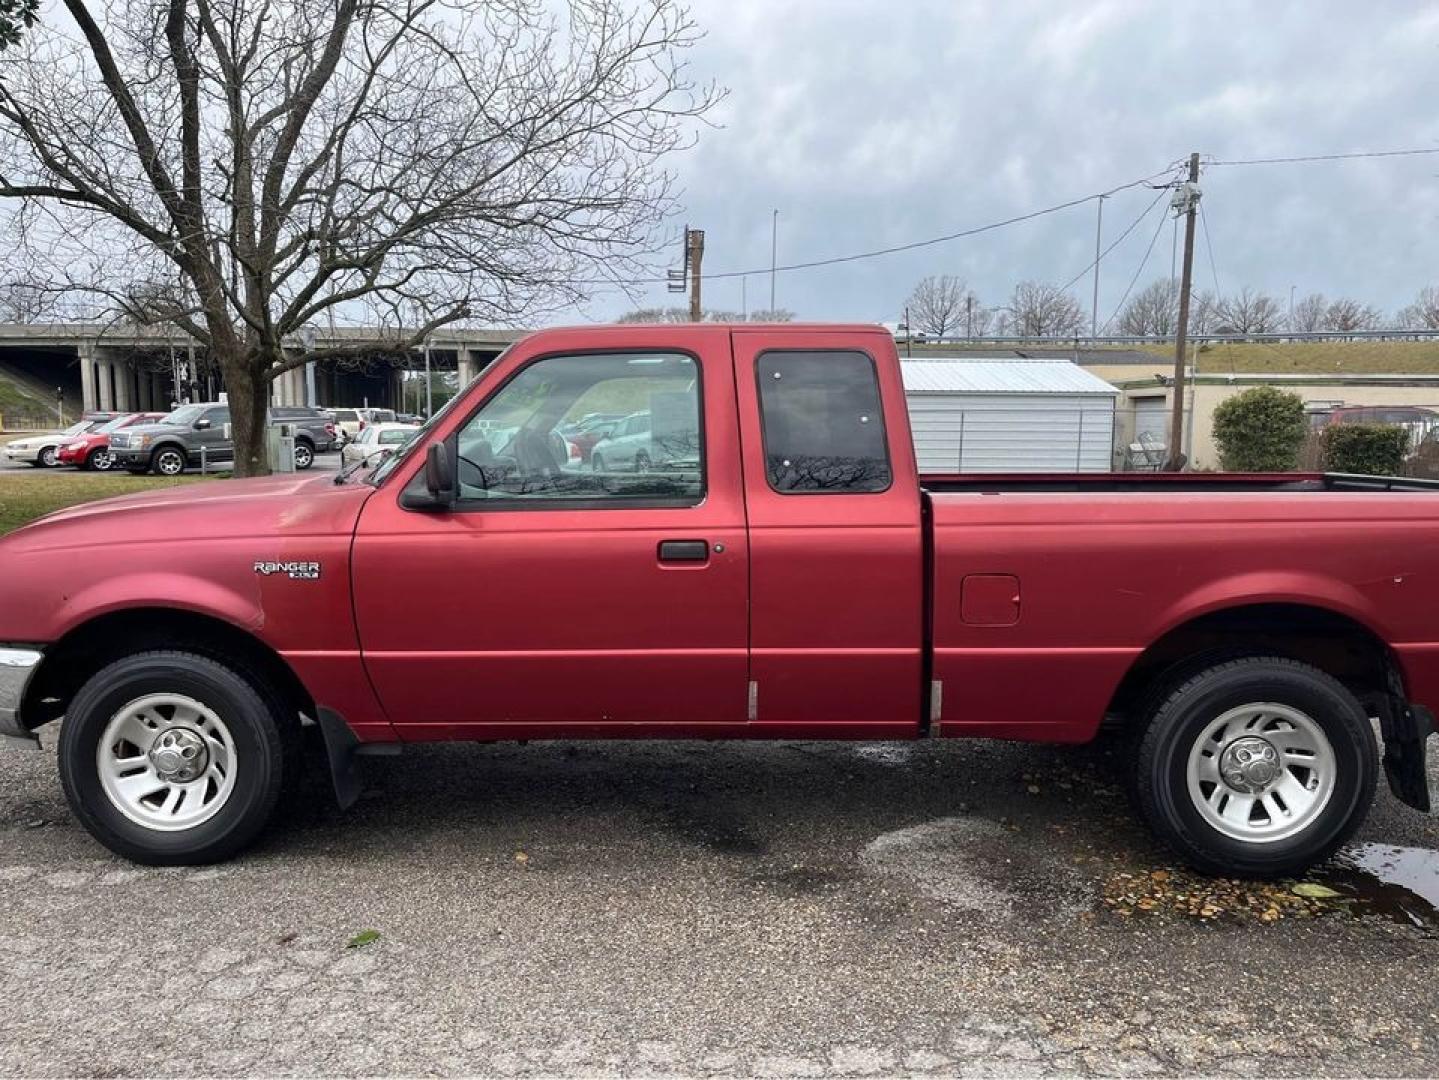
1260 430
1372 449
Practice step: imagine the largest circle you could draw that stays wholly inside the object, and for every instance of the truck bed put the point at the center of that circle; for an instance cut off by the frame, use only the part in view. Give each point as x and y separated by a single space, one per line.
1151 482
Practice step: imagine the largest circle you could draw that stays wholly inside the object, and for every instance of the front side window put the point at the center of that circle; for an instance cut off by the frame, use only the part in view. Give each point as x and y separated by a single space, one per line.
822 424
523 445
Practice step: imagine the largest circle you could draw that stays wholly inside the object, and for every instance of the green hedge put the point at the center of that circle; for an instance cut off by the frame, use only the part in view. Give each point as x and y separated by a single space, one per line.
1372 449
1260 430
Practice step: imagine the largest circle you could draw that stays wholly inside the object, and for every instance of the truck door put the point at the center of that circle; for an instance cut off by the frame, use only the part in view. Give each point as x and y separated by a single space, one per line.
555 597
836 551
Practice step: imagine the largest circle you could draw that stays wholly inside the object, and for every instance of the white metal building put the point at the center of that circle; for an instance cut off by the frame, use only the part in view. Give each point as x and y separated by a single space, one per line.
977 414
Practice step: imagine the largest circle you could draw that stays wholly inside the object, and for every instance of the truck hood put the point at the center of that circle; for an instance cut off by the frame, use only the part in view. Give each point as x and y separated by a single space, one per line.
287 505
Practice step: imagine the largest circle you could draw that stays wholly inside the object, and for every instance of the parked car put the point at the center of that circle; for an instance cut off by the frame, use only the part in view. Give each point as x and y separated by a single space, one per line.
375 439
196 433
91 450
353 421
43 450
633 446
800 579
588 430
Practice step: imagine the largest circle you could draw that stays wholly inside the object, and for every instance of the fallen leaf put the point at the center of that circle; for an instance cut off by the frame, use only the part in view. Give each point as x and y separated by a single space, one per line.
1314 890
521 857
363 938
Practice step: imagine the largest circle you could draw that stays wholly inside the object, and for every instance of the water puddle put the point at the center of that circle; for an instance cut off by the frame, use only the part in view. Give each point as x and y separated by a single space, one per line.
1401 883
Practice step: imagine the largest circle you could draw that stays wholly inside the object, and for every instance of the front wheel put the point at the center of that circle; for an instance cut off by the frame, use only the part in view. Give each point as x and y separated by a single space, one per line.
168 461
173 759
100 461
49 457
1260 766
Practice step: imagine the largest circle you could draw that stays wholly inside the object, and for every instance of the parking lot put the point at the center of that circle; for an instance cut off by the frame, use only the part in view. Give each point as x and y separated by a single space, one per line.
12 468
701 908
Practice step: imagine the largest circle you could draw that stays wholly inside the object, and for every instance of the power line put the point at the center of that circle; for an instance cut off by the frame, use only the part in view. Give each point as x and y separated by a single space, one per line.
911 246
1132 226
1329 157
1204 221
1142 264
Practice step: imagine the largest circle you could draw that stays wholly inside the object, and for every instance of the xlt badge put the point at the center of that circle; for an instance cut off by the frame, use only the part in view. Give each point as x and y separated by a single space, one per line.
297 571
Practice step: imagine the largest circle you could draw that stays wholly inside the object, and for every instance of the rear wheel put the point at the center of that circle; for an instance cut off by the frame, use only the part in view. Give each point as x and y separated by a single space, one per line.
304 455
1260 766
172 758
168 461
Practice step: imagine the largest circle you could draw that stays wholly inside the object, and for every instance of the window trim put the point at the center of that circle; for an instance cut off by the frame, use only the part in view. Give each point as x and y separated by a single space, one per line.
467 506
764 434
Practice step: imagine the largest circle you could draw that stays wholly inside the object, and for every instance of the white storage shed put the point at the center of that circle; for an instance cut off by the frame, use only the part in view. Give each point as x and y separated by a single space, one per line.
983 415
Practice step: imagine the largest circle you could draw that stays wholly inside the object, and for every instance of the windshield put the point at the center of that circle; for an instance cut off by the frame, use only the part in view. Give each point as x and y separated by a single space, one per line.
185 415
392 462
79 428
113 425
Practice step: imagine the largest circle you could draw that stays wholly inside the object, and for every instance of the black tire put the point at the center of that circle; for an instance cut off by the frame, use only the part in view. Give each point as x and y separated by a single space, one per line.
265 759
48 457
100 461
168 461
1161 778
304 454
597 463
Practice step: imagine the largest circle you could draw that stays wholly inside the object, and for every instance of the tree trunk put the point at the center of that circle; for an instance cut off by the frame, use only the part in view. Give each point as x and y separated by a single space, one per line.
249 395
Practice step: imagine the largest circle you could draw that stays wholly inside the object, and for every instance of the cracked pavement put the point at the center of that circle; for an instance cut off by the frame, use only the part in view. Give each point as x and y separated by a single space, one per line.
770 909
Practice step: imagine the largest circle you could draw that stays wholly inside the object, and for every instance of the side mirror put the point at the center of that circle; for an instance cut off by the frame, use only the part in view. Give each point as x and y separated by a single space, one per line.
202 425
439 476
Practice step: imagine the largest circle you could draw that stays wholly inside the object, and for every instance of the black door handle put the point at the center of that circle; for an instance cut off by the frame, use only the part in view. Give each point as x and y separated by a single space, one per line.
684 550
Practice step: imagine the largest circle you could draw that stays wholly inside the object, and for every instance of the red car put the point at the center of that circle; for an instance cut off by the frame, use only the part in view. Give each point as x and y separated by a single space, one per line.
92 449
779 570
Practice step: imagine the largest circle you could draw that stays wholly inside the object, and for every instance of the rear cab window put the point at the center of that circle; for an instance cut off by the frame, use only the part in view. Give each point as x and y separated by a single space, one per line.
822 422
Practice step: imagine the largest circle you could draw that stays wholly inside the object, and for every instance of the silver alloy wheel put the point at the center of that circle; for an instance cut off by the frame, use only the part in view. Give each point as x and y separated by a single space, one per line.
102 460
169 463
304 456
1261 772
167 762
48 458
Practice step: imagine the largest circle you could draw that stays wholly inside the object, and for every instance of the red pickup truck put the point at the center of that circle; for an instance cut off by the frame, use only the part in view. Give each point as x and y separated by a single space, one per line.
757 557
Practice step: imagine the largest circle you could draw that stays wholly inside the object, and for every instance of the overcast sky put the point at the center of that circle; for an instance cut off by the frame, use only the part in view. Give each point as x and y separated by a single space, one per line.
870 124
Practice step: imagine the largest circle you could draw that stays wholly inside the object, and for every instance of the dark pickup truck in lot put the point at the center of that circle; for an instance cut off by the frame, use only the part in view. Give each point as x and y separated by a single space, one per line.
195 434
773 567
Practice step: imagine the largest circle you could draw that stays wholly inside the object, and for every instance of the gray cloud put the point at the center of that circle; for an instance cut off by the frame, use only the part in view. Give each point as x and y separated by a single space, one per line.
871 124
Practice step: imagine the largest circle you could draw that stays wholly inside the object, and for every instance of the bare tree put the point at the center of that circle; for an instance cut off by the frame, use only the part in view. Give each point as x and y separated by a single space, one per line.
1154 311
1203 312
1345 315
1250 312
407 162
16 16
682 315
1423 314
938 306
1309 314
22 302
1038 309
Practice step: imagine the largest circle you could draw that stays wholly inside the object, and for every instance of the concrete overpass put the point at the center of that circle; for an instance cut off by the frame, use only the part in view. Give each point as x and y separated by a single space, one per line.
119 366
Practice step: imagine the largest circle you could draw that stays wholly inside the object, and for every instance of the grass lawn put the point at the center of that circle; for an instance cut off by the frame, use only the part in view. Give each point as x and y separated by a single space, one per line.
24 498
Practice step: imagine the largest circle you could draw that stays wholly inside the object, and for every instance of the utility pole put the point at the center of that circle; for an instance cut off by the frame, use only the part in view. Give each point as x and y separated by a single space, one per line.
1185 201
429 384
1098 232
773 256
969 314
908 334
697 254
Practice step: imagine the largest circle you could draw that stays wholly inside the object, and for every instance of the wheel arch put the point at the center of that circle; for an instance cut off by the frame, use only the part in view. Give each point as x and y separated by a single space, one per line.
89 646
1331 640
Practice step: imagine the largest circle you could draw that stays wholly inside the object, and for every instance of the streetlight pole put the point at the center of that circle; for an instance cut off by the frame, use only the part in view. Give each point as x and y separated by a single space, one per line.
1098 232
773 253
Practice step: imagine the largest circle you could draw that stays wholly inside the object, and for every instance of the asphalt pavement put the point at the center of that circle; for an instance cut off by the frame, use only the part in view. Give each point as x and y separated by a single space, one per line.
772 909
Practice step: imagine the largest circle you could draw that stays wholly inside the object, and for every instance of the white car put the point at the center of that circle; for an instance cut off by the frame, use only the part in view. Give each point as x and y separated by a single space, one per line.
43 450
633 447
350 422
376 438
